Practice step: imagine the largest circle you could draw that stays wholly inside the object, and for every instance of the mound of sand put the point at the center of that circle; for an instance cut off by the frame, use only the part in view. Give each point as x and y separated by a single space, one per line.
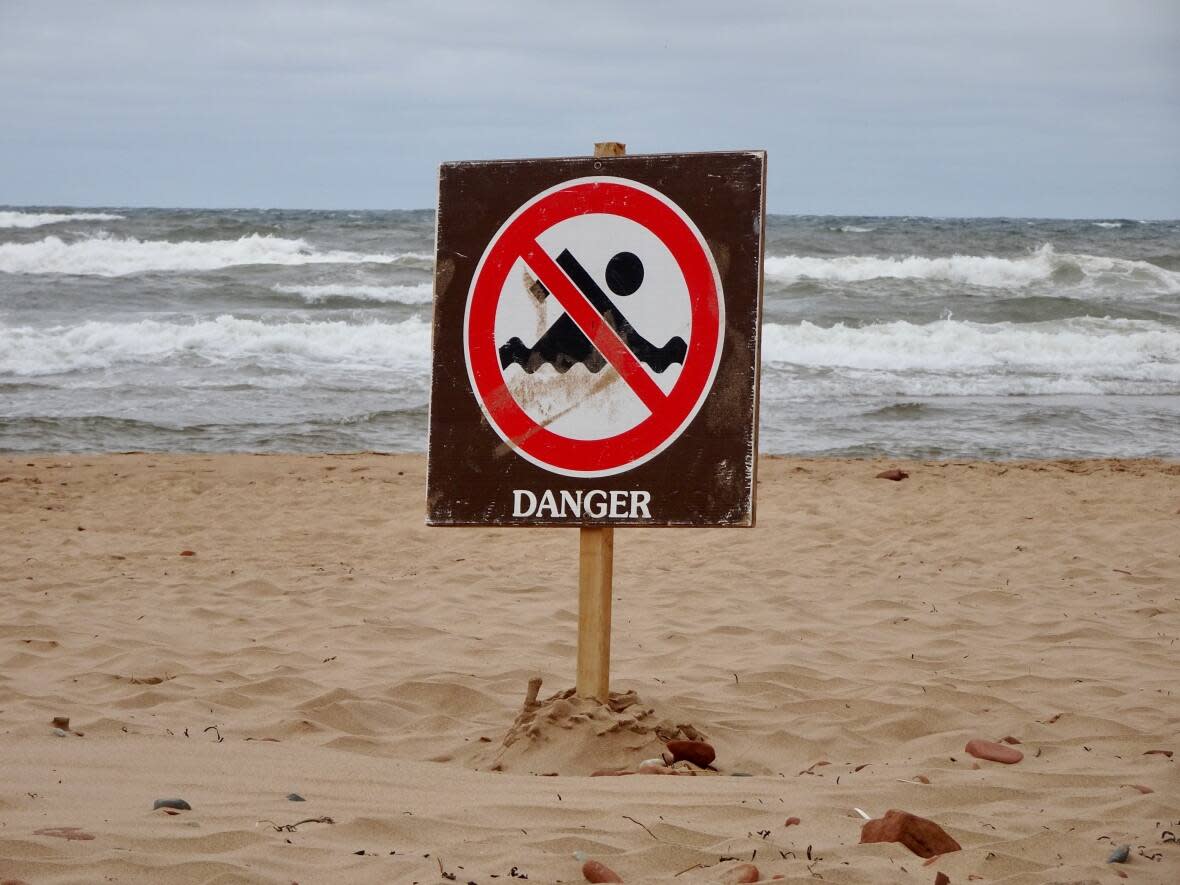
565 734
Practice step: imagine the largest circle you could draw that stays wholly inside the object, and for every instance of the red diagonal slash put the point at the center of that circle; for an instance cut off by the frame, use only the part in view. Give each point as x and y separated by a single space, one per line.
590 321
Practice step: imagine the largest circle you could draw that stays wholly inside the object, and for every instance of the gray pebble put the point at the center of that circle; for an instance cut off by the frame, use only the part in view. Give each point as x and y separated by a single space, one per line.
178 804
61 732
1120 854
295 797
739 774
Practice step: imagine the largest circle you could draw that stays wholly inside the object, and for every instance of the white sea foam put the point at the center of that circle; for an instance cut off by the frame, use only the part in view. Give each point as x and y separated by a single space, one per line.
39 219
422 293
977 270
26 351
1108 224
949 357
108 256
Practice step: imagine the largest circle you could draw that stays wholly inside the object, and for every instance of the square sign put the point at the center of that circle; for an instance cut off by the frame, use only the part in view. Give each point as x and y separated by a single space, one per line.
596 337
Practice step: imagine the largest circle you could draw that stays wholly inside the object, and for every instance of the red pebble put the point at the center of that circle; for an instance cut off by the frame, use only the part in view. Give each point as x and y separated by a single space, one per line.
696 752
923 837
1142 788
942 879
893 474
792 822
741 874
993 752
596 871
187 553
1011 740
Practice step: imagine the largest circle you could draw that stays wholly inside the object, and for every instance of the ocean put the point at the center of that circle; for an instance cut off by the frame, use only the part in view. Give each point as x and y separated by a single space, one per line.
195 330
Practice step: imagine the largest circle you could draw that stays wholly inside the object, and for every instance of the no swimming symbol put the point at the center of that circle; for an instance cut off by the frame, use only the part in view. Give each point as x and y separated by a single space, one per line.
540 270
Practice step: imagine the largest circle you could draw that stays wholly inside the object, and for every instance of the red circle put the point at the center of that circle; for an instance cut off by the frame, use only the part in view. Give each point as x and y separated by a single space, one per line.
614 453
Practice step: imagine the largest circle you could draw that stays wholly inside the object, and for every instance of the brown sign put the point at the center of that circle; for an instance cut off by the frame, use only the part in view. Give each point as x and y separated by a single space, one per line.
596 331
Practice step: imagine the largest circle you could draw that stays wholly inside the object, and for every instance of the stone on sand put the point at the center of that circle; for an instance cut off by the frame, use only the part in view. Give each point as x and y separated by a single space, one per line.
923 837
696 752
993 752
178 804
596 871
741 874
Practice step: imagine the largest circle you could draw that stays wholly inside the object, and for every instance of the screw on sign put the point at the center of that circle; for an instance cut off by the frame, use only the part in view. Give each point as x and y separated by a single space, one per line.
631 396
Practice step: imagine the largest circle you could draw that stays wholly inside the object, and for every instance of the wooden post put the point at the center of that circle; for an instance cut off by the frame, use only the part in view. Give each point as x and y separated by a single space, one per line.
596 563
595 571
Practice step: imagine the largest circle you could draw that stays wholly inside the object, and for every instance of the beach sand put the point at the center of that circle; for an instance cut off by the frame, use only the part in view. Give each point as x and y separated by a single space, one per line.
321 640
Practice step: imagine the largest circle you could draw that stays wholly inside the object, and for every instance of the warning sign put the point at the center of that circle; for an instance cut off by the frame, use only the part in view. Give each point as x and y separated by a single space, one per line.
595 341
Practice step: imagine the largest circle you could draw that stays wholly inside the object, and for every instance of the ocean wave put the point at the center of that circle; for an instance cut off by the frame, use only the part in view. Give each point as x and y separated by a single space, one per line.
226 340
422 293
108 256
1085 355
988 271
39 219
1107 224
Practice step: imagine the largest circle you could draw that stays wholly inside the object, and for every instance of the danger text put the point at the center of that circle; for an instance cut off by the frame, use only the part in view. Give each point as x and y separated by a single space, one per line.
593 504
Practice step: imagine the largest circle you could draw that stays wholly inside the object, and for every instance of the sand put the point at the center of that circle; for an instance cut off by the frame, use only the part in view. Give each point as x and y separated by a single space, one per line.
321 640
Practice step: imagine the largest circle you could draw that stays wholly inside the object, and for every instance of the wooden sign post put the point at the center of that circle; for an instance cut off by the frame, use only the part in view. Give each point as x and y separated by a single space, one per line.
595 353
596 569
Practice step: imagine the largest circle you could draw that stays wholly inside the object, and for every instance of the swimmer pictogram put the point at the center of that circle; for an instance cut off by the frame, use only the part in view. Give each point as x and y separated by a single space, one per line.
564 345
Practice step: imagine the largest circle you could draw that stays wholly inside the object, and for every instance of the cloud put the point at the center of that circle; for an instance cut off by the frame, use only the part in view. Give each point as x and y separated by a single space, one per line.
922 106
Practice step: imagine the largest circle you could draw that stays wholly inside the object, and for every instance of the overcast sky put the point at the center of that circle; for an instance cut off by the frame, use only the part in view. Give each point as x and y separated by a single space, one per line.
1065 108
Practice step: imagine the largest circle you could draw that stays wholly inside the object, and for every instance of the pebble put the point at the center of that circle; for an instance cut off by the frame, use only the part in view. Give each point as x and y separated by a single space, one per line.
178 804
62 722
596 871
792 822
187 553
1142 788
993 752
1120 854
1167 753
741 874
696 752
923 837
61 733
295 797
893 474
942 879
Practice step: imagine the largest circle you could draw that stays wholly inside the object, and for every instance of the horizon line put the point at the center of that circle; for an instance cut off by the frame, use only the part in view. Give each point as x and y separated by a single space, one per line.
66 206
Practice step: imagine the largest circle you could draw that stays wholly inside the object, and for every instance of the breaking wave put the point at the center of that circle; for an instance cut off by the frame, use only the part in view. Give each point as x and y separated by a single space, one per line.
978 270
948 357
94 346
422 293
39 219
108 256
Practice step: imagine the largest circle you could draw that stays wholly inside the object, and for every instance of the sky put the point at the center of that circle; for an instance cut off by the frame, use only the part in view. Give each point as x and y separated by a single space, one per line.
1047 108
